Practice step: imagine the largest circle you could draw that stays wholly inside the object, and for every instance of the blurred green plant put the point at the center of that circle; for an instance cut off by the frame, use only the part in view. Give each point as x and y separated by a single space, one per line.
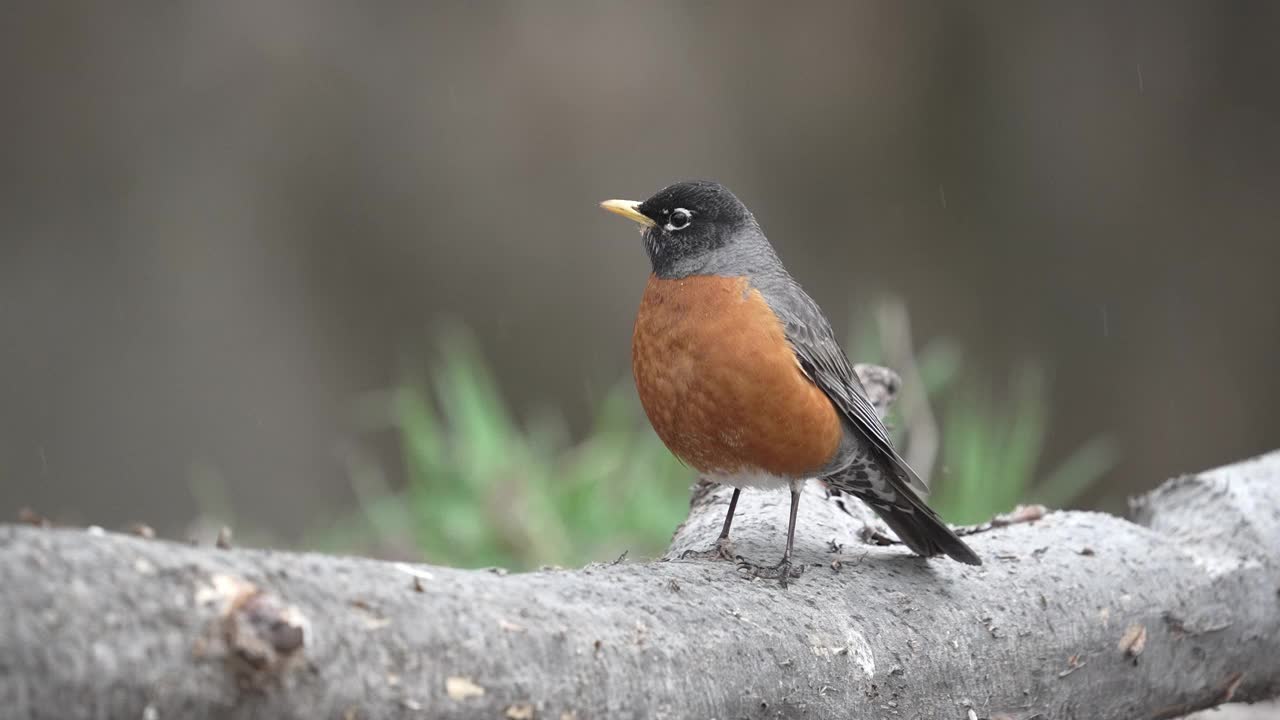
992 441
484 489
990 466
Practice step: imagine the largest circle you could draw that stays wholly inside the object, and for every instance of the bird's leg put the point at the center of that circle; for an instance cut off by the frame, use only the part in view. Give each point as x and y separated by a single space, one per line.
723 550
783 571
728 518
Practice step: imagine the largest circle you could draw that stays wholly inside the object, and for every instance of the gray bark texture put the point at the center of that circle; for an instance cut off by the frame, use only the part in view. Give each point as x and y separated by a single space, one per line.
1073 615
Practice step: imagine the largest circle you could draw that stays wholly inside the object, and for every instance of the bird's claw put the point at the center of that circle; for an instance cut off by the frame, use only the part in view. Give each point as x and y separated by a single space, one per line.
782 572
722 550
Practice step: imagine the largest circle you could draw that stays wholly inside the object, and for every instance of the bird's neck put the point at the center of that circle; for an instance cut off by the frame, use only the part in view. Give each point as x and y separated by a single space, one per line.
748 253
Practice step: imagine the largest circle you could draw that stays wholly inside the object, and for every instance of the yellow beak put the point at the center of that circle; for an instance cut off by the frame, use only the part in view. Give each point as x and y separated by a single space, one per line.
628 209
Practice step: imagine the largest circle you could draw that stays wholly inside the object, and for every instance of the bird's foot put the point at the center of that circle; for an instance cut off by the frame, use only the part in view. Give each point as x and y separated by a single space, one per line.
723 550
782 572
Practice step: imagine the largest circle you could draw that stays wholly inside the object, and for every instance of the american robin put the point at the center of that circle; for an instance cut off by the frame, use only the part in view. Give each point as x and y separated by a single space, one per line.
742 378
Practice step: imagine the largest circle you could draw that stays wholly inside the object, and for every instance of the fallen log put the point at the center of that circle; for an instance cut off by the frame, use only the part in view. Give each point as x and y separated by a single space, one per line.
1073 615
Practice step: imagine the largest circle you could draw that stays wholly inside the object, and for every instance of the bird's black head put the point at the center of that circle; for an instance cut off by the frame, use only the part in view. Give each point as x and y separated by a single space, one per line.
689 225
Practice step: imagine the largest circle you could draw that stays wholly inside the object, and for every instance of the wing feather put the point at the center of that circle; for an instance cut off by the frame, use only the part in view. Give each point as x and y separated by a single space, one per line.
824 361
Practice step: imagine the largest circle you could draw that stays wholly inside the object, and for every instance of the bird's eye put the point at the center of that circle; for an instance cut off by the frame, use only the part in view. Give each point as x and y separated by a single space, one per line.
679 219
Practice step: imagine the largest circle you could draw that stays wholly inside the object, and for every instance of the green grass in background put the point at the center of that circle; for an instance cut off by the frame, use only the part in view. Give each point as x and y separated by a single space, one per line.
992 448
485 489
992 433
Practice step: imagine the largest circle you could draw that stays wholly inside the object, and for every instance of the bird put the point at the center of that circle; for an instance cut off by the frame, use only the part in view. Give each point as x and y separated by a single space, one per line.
741 376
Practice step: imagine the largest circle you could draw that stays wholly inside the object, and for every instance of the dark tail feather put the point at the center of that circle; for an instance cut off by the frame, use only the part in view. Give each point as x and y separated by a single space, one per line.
924 532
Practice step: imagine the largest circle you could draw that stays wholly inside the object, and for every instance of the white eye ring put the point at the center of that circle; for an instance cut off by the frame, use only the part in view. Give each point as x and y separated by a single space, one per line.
684 215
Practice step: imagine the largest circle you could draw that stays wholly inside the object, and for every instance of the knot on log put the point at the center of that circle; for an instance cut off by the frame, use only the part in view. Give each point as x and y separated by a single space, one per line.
261 635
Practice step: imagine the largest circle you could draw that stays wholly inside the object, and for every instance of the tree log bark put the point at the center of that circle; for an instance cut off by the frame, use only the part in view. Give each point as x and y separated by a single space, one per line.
1074 615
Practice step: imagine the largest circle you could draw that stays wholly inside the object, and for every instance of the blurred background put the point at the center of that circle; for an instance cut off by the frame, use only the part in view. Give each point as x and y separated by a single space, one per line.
333 273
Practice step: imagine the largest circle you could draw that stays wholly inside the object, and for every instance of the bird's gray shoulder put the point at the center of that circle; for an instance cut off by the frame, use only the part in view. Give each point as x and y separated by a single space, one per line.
824 360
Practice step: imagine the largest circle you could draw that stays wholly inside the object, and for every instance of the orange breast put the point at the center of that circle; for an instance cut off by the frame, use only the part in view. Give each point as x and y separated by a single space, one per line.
720 383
